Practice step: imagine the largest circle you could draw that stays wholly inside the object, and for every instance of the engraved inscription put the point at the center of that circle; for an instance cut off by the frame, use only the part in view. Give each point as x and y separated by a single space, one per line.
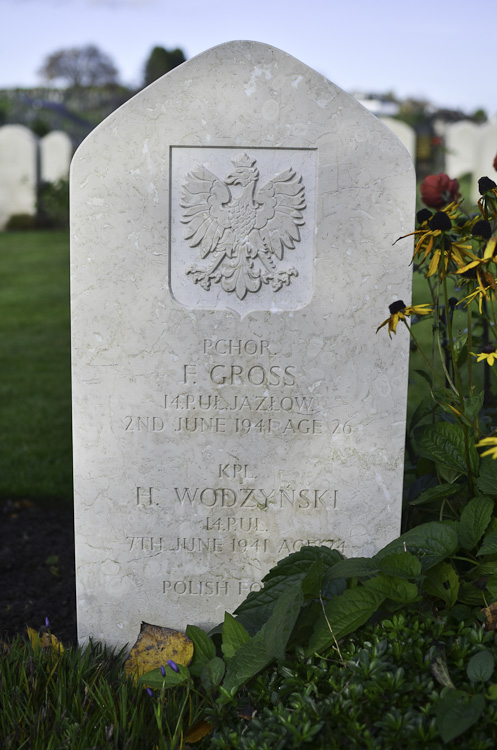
244 230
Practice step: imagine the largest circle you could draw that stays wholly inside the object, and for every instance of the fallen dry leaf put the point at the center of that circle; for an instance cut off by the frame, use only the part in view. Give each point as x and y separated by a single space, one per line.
198 731
45 640
155 646
491 616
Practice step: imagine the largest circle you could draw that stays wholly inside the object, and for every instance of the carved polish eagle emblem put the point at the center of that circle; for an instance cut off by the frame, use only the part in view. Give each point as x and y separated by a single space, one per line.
242 232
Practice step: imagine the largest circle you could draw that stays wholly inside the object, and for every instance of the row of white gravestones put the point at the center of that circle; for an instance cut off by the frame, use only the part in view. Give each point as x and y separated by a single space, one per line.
231 257
404 132
24 160
471 148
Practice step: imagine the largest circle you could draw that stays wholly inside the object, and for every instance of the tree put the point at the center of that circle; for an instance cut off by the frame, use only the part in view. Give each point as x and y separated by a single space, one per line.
161 61
79 66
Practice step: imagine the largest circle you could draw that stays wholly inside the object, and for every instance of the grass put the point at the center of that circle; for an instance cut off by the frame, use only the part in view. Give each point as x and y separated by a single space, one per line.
35 390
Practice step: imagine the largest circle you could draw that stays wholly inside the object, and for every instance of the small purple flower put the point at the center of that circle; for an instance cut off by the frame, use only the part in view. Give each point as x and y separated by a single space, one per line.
173 665
163 671
47 622
150 692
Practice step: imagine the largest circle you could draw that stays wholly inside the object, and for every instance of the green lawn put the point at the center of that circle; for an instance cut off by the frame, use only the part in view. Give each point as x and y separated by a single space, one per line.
35 389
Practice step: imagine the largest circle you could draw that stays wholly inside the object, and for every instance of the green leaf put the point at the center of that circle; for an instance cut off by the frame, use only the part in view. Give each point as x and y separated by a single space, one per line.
474 520
480 667
492 587
492 692
212 673
431 542
424 375
345 614
354 567
282 621
487 481
401 565
459 345
443 581
423 409
250 658
203 648
470 594
289 572
172 679
311 584
456 712
473 405
439 492
396 589
443 442
489 546
234 636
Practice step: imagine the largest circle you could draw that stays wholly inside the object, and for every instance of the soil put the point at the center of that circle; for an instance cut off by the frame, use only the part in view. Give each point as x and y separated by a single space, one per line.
37 578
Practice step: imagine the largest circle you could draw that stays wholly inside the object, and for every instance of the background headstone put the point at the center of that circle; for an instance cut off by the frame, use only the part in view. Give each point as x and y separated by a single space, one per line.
404 132
17 172
232 230
55 156
487 151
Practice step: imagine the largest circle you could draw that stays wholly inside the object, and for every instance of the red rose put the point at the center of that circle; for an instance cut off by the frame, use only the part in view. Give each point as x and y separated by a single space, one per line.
438 189
495 163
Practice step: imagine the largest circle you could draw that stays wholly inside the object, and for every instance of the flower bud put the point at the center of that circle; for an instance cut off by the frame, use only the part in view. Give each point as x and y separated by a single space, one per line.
173 665
396 306
423 215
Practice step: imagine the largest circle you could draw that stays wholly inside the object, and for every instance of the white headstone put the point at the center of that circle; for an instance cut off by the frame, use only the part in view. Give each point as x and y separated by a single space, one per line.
232 230
17 172
404 132
487 151
55 156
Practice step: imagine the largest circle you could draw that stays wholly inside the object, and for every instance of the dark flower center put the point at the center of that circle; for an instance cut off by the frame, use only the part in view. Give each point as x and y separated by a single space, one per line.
396 307
485 184
483 229
423 215
440 221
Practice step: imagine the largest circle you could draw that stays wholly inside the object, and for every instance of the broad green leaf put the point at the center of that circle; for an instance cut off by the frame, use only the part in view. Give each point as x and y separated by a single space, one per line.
354 567
345 614
282 621
431 542
250 658
287 574
234 636
172 679
470 594
203 648
396 589
489 546
212 673
436 493
474 520
487 481
443 442
481 666
456 712
401 565
443 581
311 584
473 405
459 345
423 409
492 587
492 692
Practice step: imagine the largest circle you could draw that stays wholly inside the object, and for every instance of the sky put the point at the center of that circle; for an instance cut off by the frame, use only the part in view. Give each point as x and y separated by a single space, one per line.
441 51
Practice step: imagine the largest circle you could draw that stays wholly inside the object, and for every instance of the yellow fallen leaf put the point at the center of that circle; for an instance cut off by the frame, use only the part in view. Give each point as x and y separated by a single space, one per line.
198 731
45 640
491 616
155 646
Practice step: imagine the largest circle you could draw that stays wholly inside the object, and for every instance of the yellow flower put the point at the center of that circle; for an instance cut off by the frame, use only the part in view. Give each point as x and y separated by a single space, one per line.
480 263
399 311
491 357
486 443
480 292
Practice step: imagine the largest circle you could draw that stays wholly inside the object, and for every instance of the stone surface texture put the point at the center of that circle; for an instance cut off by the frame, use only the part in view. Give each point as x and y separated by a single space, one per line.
232 231
55 156
17 172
